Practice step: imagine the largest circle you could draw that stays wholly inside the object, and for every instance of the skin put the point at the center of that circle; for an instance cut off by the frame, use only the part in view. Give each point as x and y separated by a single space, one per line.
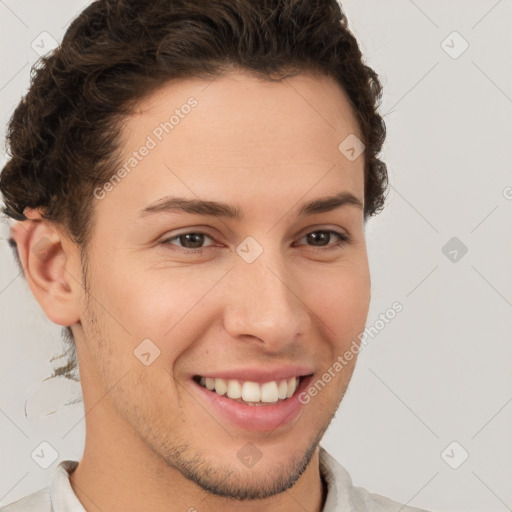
266 148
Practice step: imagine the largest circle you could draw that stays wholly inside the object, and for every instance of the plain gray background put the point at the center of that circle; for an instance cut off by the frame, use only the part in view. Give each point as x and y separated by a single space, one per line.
440 372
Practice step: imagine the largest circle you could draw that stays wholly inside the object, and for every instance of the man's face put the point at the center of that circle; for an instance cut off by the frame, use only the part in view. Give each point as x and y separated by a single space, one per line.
270 295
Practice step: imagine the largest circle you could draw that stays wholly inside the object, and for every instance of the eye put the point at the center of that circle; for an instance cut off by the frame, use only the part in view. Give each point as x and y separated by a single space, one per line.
191 240
195 240
321 239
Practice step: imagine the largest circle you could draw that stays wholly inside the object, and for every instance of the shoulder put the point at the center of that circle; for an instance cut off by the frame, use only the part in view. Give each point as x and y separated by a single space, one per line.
369 502
342 495
36 502
57 496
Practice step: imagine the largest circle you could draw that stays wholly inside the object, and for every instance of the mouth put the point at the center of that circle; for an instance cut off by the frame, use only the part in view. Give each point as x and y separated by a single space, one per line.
251 405
250 392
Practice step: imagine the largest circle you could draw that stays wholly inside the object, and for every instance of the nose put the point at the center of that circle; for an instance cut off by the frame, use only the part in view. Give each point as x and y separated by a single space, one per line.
264 302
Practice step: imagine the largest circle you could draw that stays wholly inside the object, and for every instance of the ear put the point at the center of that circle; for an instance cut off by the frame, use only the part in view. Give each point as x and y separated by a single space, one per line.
50 266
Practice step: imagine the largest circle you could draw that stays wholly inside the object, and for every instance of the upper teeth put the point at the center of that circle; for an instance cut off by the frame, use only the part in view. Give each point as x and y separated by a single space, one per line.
249 391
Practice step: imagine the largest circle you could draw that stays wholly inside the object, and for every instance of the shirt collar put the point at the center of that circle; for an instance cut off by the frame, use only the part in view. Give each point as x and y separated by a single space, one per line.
339 484
62 496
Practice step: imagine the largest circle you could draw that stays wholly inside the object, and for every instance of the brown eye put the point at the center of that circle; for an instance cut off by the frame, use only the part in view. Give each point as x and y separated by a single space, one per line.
321 238
191 240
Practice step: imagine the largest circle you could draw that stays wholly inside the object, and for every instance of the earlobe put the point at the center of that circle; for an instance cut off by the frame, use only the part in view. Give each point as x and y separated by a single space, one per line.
46 267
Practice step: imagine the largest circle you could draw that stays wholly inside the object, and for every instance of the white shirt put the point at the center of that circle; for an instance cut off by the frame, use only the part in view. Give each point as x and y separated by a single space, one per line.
342 496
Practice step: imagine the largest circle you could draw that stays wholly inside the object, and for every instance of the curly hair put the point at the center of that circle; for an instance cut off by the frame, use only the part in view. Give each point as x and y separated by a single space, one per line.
64 136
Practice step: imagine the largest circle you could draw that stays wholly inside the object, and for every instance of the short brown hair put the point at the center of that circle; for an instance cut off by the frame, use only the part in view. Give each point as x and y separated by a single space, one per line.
63 137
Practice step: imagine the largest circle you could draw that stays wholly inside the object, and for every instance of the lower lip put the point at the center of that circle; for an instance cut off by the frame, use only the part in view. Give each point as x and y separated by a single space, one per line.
266 417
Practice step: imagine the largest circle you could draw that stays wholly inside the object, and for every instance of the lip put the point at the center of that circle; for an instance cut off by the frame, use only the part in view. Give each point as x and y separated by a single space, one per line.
262 418
260 376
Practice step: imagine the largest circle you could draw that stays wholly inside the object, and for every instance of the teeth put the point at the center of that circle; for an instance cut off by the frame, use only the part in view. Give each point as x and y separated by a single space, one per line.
282 390
220 386
269 392
252 392
292 386
234 389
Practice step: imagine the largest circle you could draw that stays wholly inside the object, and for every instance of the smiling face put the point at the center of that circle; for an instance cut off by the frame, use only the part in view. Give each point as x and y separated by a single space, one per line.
264 282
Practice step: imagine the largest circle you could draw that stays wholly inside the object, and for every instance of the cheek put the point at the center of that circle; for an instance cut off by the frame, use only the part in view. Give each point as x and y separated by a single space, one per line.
341 299
167 306
143 303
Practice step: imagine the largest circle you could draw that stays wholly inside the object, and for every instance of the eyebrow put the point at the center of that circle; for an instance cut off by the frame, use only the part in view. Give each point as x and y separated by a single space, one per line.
220 209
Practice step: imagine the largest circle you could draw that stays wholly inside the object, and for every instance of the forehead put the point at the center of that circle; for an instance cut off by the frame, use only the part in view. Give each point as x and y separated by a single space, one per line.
240 99
239 133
